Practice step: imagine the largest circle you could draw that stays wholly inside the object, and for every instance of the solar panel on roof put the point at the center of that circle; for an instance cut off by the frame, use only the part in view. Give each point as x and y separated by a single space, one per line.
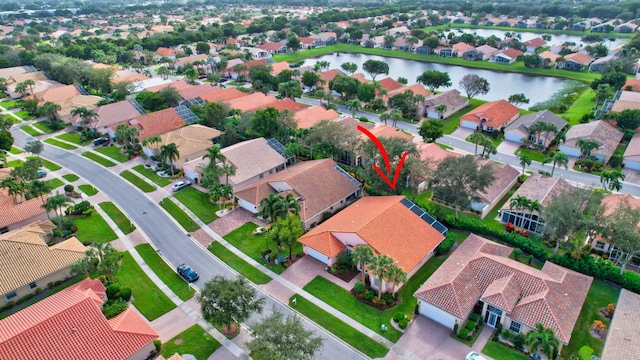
441 228
138 107
424 216
186 114
406 202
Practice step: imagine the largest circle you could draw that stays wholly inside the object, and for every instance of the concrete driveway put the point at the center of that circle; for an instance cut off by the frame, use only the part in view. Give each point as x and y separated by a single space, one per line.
508 147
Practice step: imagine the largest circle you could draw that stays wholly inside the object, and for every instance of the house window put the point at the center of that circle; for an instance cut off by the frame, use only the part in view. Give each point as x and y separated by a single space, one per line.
489 128
10 295
331 208
600 245
261 176
33 285
515 327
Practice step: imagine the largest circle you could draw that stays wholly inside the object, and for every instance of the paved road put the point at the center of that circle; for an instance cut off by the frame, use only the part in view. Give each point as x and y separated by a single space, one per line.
570 175
166 235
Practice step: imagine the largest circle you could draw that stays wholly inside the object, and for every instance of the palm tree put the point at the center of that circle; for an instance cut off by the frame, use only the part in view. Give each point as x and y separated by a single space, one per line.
164 72
267 208
50 110
191 74
214 154
284 205
30 83
40 188
379 267
362 255
560 159
126 134
549 128
170 153
477 137
543 338
441 109
152 142
21 88
12 186
396 115
586 146
354 106
611 179
537 128
85 115
532 205
525 160
57 202
384 117
396 276
519 203
227 170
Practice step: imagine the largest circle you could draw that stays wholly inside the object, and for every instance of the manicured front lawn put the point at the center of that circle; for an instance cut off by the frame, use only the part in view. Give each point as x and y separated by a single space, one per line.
15 150
88 189
118 217
93 228
47 164
147 297
339 328
237 264
164 272
501 352
181 217
54 183
71 177
195 341
112 152
600 295
24 115
11 104
15 163
44 125
31 131
198 202
59 144
151 175
137 181
534 155
99 159
73 137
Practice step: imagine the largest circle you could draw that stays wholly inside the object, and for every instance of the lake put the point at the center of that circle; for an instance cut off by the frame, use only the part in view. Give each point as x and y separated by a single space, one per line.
556 39
502 84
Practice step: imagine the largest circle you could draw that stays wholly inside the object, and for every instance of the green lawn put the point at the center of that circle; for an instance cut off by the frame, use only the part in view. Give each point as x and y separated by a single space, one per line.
151 175
137 181
44 126
243 239
59 144
71 177
24 115
580 107
534 155
198 202
452 122
47 164
97 158
118 217
54 183
339 328
88 189
178 214
15 150
15 163
31 131
112 152
164 272
73 137
11 104
147 297
368 316
500 352
195 341
600 295
239 265
93 228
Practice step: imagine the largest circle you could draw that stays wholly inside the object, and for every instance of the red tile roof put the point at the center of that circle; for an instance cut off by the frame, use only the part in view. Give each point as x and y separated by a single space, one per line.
511 53
13 213
163 51
307 40
312 116
535 42
70 325
277 68
329 75
178 85
633 83
385 224
497 113
389 84
285 104
251 102
114 113
579 58
270 46
223 95
155 123
197 91
481 270
434 152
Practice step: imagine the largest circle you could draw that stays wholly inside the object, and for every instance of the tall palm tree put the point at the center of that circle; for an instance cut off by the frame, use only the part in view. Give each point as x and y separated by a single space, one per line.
396 115
477 137
525 160
441 109
519 203
396 276
163 72
12 186
50 110
354 106
21 88
191 74
544 339
537 128
30 83
215 153
560 159
57 202
611 179
533 205
549 128
284 205
40 188
379 267
85 115
170 153
586 146
384 117
362 255
266 208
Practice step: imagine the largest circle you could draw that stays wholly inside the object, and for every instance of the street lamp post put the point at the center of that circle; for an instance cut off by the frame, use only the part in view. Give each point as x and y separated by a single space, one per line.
266 241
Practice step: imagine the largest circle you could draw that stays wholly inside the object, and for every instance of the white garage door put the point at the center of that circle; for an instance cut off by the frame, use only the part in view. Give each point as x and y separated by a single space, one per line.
468 124
635 165
317 255
437 315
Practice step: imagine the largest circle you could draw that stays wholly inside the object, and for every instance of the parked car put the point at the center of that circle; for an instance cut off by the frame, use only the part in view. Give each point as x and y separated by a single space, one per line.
180 185
101 141
474 356
186 272
42 173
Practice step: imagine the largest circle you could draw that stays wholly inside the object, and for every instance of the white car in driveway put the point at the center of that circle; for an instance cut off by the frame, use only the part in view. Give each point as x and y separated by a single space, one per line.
474 356
180 185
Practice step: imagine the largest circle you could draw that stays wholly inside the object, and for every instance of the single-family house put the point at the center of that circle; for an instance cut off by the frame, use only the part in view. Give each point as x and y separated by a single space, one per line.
223 96
627 100
7 73
129 76
548 58
490 116
536 187
17 213
27 263
607 137
192 142
191 93
326 77
152 124
325 38
485 52
505 178
320 186
389 85
445 51
42 83
178 85
450 98
286 104
70 325
273 48
632 85
398 31
631 157
626 28
184 61
518 131
611 204
605 27
432 154
306 42
621 342
164 52
576 62
115 113
533 44
390 225
278 67
480 277
310 117
423 50
508 56
464 50
256 53
600 64
251 102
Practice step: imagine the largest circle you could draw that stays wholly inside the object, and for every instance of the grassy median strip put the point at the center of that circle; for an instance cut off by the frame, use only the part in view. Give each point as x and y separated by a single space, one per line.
164 272
148 298
151 175
351 336
46 163
71 177
54 183
44 126
93 228
181 217
73 137
237 264
118 217
198 202
112 152
195 341
31 131
88 189
15 150
137 181
57 143
97 158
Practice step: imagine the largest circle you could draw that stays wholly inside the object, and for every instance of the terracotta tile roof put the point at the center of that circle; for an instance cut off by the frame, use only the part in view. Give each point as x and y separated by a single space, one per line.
360 77
26 258
505 176
271 46
223 95
114 113
191 140
627 100
286 104
481 270
310 117
416 88
580 58
330 75
622 337
251 102
535 42
81 330
389 84
13 213
511 53
549 55
307 40
461 47
277 68
253 63
190 59
155 123
317 182
57 94
178 85
633 149
612 201
388 132
384 223
163 51
129 76
634 83
88 101
498 113
607 136
434 152
251 158
193 92
539 187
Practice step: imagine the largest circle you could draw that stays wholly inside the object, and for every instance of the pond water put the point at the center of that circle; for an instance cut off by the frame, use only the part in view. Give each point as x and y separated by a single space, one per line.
556 39
502 84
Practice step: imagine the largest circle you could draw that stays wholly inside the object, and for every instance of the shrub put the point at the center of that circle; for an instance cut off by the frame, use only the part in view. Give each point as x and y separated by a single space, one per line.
445 245
388 298
474 317
382 302
38 291
397 316
158 344
25 298
585 353
9 305
463 333
113 290
545 173
616 160
358 287
344 258
403 324
114 309
78 208
628 134
125 294
455 329
518 340
68 188
369 295
470 326
608 311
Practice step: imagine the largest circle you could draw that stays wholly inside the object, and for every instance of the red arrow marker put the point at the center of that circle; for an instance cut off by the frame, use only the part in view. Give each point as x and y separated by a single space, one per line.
383 152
